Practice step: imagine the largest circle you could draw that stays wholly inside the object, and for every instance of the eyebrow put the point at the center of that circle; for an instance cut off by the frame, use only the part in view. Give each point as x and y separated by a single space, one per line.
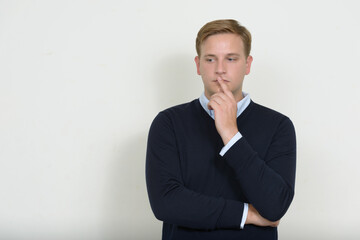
233 54
210 55
228 55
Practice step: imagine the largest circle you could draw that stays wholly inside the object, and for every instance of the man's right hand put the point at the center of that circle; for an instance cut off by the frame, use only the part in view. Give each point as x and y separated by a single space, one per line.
225 110
255 218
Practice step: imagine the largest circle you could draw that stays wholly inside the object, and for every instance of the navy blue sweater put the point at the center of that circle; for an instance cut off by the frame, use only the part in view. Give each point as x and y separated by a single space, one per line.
200 195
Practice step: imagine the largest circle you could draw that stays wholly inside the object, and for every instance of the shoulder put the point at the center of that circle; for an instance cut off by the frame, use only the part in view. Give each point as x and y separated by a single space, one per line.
176 113
181 108
267 116
179 111
263 112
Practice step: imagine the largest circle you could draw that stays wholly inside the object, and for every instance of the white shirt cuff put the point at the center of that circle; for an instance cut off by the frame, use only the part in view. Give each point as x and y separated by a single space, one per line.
232 141
244 216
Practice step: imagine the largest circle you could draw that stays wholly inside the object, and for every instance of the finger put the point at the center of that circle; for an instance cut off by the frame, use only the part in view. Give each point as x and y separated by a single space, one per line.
220 95
217 99
224 97
222 84
219 88
212 105
224 87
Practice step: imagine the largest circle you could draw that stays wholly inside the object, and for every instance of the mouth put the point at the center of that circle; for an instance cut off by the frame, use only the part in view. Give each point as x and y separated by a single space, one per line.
223 80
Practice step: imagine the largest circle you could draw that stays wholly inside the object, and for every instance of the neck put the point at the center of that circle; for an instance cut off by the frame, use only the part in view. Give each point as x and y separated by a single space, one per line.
239 96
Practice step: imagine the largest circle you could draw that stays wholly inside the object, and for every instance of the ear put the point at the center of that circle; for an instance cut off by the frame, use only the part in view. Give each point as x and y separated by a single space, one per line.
197 61
248 64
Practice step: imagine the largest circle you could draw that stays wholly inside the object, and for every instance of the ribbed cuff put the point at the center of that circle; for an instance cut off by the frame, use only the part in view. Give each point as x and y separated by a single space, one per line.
244 216
240 155
231 215
232 141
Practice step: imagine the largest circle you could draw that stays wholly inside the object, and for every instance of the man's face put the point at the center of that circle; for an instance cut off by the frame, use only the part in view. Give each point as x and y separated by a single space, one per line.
223 55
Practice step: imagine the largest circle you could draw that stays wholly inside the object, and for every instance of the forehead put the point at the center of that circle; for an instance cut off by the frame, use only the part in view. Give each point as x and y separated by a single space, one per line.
222 44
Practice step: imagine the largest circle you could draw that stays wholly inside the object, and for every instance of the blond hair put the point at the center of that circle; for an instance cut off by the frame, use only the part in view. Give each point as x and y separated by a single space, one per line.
224 26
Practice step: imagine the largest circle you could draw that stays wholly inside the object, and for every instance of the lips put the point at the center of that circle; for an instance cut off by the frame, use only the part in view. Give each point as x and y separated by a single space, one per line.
223 79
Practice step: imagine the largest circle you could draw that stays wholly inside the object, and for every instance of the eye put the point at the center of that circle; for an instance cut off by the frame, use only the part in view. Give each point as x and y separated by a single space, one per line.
231 59
209 59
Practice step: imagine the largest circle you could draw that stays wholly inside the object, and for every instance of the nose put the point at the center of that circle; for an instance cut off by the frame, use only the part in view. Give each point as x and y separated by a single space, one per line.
220 67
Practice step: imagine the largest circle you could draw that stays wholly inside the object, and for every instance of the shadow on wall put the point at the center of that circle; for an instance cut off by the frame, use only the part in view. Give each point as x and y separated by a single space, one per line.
127 205
176 80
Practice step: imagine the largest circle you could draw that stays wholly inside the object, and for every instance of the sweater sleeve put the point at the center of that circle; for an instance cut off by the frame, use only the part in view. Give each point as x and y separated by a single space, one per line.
170 200
267 183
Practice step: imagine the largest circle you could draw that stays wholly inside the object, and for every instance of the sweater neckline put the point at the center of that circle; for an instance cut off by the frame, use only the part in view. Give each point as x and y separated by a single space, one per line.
206 116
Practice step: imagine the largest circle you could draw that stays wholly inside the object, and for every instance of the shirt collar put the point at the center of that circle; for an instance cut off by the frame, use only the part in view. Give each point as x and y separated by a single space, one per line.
241 105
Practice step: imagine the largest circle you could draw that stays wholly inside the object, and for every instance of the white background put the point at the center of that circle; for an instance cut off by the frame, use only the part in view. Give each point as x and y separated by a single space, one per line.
81 81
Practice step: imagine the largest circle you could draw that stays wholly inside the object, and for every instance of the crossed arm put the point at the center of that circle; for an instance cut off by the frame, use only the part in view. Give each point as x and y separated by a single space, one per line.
172 202
225 109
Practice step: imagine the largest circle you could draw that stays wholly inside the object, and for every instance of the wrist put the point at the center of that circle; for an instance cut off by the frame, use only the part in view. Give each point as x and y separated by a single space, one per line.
229 135
249 218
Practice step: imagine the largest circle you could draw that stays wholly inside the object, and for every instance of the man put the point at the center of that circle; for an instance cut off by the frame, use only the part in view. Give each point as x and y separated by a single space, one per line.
221 166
